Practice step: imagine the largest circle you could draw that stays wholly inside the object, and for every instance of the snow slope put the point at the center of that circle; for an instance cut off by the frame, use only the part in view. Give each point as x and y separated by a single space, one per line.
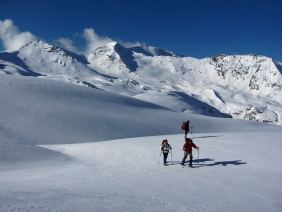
57 112
123 175
244 86
59 153
241 86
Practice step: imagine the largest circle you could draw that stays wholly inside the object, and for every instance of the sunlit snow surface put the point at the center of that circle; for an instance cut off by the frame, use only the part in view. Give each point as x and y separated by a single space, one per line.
70 148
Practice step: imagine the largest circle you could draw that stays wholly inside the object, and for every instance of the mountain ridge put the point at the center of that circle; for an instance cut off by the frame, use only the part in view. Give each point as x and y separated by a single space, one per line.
244 86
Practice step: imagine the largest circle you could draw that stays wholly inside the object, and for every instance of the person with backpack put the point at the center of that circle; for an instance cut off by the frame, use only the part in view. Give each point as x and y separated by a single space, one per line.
165 147
185 127
187 147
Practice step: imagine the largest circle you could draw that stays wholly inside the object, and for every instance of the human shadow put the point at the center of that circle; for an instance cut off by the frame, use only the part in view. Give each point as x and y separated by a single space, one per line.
194 161
219 163
202 162
211 136
225 163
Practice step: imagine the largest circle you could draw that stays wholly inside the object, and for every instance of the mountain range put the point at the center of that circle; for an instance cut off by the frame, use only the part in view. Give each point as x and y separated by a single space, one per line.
238 86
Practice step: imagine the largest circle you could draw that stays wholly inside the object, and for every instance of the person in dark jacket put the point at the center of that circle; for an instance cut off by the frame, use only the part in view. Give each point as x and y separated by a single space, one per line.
187 147
165 147
186 128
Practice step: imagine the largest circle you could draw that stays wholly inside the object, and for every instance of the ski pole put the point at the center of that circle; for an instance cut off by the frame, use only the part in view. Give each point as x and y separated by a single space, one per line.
171 157
159 157
198 156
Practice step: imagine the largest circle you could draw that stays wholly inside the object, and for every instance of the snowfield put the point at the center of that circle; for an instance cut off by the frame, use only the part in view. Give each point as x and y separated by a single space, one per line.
70 148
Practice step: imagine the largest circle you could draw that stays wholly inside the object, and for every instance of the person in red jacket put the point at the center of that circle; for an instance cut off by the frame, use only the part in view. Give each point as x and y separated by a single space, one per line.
187 147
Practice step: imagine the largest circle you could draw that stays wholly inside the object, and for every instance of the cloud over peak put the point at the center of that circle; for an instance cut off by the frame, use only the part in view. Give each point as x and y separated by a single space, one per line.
13 39
68 44
93 41
11 36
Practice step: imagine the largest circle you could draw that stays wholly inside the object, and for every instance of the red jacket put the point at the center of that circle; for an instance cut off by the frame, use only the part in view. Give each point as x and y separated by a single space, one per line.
188 147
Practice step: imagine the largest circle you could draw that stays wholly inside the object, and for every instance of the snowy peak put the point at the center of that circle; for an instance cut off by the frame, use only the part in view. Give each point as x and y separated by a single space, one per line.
243 86
42 58
145 50
261 73
115 55
41 46
153 51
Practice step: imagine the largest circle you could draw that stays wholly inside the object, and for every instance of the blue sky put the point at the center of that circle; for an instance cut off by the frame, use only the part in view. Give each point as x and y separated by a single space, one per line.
200 28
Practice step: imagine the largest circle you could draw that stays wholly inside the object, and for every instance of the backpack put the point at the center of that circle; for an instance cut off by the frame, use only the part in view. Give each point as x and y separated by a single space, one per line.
165 148
184 126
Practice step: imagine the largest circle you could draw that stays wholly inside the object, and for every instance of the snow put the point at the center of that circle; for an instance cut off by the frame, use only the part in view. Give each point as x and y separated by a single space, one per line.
71 148
241 86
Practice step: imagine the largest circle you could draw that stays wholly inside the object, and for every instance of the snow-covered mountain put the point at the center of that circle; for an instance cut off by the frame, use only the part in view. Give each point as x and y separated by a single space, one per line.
241 86
65 147
71 148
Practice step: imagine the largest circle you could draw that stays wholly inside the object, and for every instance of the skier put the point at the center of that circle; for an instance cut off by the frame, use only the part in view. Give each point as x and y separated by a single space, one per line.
165 147
185 127
187 147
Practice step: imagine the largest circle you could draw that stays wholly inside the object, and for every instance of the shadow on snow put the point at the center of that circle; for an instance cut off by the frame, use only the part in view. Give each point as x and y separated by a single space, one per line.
220 163
208 136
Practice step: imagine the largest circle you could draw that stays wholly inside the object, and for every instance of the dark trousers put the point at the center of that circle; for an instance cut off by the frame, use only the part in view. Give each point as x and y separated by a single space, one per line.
186 132
165 157
186 153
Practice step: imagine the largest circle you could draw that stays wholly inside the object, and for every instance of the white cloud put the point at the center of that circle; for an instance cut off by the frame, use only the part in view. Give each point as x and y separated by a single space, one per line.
129 44
13 39
11 36
68 44
94 40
